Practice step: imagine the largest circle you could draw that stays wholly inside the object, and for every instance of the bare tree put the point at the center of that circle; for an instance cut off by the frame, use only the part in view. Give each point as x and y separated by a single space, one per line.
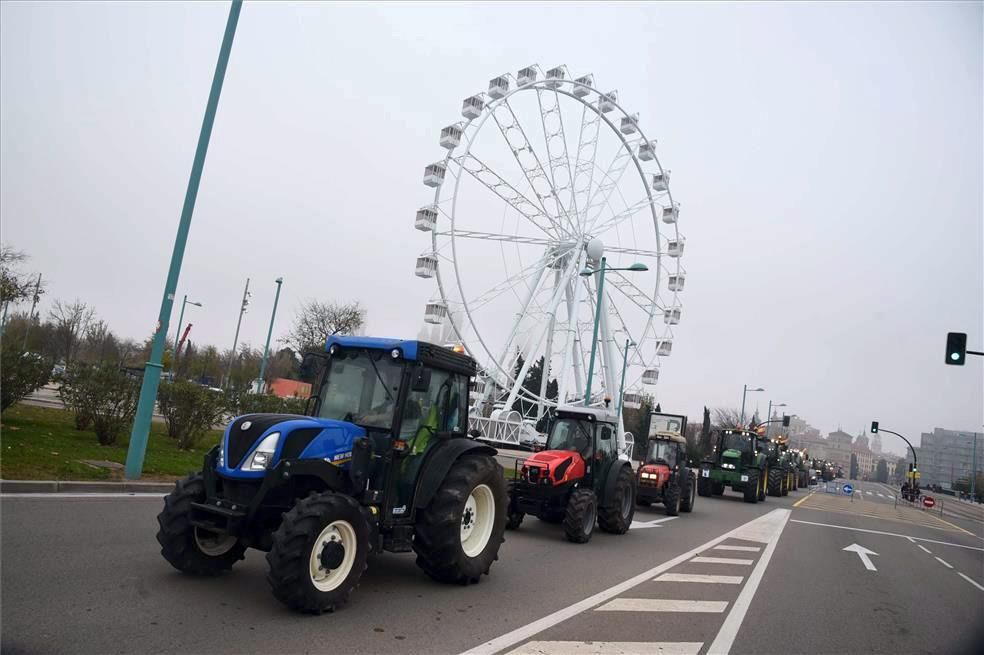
70 322
316 321
15 285
726 417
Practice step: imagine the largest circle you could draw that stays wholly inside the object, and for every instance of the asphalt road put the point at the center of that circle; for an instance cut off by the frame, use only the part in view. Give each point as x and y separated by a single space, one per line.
84 575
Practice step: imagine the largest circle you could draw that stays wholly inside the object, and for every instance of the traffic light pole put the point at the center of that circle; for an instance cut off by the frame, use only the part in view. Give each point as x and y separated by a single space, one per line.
152 371
915 462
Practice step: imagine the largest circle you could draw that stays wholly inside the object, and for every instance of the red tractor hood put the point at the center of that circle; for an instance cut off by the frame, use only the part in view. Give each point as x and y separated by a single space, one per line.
555 466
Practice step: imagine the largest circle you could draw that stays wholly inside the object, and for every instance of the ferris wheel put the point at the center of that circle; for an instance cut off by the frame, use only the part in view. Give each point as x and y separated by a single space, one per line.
545 178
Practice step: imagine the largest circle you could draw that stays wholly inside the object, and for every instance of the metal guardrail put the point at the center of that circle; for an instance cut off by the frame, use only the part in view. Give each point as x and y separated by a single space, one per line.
523 434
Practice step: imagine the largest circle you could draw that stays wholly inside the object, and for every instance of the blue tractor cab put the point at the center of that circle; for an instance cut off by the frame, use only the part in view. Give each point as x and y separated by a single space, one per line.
380 460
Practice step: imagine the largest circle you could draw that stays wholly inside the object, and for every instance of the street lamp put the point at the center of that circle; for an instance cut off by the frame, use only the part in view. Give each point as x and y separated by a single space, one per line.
235 341
635 268
266 348
768 417
744 392
177 336
621 389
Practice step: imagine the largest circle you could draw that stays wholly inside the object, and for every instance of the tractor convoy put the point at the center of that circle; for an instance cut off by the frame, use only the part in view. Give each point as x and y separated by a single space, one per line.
382 460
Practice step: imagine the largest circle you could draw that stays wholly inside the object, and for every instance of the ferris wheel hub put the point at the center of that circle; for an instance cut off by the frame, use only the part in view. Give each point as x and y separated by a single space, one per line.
595 249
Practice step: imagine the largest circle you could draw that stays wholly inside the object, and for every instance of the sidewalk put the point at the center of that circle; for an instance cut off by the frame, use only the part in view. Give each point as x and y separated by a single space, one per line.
61 486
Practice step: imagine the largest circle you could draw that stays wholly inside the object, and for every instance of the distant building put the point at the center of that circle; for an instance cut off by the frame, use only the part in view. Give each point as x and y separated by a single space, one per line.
945 456
876 445
838 449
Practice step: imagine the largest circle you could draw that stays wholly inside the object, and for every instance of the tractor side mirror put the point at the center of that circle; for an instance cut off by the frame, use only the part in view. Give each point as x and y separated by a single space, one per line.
312 366
475 434
421 379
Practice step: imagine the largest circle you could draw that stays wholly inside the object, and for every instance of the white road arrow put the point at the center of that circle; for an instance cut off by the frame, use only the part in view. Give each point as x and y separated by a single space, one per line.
863 554
641 525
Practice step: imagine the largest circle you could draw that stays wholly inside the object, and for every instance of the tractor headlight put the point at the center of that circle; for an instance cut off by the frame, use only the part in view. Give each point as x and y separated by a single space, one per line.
263 454
221 454
727 466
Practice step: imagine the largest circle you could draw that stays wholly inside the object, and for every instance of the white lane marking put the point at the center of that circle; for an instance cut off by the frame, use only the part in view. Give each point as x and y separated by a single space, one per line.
970 580
63 496
748 549
869 493
608 648
944 563
881 495
663 605
650 524
863 553
722 560
697 577
732 623
911 539
890 534
525 632
924 549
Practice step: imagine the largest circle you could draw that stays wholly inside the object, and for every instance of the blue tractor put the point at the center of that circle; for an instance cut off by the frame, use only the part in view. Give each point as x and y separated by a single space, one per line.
381 460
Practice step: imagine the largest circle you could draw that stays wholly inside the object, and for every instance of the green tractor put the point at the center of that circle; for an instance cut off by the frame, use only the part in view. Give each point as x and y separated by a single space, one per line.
737 461
802 469
781 467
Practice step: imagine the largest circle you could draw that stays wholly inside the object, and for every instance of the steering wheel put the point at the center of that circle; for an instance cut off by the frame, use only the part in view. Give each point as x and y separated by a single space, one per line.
349 418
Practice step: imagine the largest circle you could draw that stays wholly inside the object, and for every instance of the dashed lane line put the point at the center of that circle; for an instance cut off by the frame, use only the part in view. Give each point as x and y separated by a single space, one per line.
747 549
663 605
699 577
924 549
949 566
971 581
609 648
722 560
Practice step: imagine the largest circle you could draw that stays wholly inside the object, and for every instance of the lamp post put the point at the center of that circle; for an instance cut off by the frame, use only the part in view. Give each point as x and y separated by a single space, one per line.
152 371
621 388
235 340
600 270
266 349
768 418
744 392
177 336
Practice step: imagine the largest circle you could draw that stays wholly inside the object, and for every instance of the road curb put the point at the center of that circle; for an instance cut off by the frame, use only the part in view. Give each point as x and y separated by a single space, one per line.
58 486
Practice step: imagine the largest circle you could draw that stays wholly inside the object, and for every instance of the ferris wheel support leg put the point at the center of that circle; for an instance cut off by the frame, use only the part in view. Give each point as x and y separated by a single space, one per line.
531 356
512 335
547 353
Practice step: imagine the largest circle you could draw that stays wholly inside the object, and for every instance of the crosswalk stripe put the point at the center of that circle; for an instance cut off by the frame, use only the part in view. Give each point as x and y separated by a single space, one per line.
663 605
869 493
696 577
608 648
721 560
750 549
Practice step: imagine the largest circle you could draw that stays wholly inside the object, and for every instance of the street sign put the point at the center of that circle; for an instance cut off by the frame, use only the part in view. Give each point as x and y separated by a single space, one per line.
848 489
929 501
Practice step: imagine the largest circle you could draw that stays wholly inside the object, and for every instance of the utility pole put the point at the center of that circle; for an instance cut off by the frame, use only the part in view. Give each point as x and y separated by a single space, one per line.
152 371
34 304
266 349
235 340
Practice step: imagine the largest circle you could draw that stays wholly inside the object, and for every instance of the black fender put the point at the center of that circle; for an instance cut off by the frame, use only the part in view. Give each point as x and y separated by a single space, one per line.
613 470
439 462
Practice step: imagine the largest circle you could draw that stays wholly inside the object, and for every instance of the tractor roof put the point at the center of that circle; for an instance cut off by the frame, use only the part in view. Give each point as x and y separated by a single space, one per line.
417 351
600 414
669 436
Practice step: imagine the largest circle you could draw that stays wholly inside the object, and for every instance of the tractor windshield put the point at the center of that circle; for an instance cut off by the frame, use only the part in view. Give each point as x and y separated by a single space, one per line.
361 387
662 451
736 441
571 434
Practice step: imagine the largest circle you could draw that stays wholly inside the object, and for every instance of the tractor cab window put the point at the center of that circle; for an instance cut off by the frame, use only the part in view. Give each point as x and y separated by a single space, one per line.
571 434
736 441
662 451
607 447
443 407
361 386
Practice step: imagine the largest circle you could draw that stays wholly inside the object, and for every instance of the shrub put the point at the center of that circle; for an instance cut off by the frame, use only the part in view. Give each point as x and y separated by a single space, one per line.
190 411
103 397
20 373
258 403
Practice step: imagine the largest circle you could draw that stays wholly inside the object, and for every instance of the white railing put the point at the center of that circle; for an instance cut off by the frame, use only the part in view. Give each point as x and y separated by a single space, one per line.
507 433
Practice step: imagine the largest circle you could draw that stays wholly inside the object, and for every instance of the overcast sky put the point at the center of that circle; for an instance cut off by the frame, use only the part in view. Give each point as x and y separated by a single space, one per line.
828 158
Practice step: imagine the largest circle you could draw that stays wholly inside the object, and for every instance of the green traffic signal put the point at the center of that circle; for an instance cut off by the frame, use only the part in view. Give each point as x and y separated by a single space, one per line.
874 427
956 348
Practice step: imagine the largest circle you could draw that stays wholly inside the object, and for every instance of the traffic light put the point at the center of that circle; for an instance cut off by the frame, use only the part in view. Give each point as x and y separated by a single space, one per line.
785 420
956 348
874 427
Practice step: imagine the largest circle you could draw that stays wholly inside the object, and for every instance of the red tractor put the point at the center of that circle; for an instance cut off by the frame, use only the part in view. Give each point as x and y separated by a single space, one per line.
578 480
663 476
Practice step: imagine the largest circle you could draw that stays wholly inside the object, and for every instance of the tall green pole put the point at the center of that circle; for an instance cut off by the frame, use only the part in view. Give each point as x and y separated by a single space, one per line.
152 371
594 335
266 348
